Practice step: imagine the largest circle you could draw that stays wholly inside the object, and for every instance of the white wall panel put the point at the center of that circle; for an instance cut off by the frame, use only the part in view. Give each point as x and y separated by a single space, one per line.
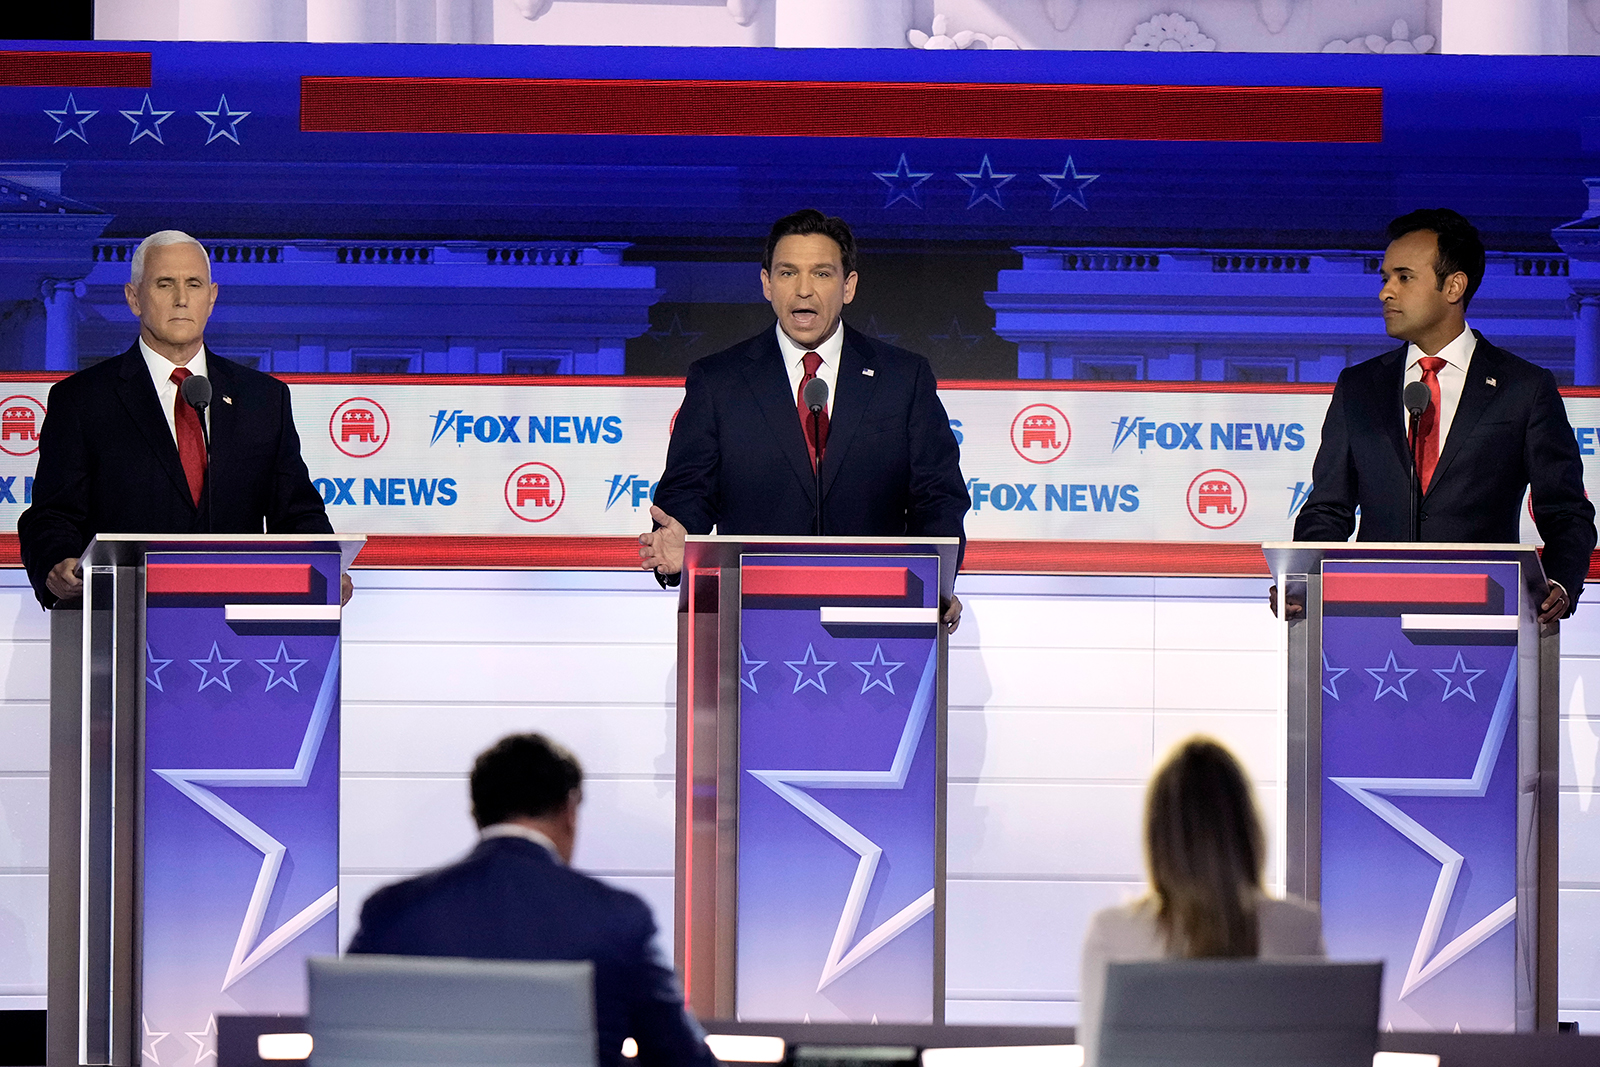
1002 743
1050 678
1217 680
24 737
1257 738
993 622
999 828
1010 1012
23 939
509 673
25 821
1215 624
1579 966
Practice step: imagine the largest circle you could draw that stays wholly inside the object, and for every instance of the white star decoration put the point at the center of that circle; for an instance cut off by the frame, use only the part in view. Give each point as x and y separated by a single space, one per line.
209 672
69 121
280 669
247 955
1369 792
903 182
147 121
1069 185
985 185
748 668
1459 679
154 667
809 670
205 1040
223 122
1391 678
1331 676
877 670
152 1038
841 957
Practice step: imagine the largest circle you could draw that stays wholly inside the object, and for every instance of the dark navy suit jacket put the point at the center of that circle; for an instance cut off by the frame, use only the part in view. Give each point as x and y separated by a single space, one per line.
738 458
510 900
1510 430
108 464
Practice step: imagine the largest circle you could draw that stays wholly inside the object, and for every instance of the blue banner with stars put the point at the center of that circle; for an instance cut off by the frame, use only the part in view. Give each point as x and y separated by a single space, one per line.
241 810
1419 790
838 796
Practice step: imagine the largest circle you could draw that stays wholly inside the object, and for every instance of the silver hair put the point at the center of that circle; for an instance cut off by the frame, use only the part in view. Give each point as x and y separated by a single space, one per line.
160 239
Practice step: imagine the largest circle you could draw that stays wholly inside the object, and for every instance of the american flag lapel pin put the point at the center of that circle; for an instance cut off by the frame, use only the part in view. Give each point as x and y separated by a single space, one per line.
868 371
1491 381
227 399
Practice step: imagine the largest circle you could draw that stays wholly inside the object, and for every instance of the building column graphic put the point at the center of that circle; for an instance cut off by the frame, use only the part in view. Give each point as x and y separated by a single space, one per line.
841 23
1580 240
61 324
1503 27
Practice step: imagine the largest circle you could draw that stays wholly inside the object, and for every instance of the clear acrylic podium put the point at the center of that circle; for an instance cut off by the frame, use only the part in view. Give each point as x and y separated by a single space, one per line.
1423 772
194 788
811 770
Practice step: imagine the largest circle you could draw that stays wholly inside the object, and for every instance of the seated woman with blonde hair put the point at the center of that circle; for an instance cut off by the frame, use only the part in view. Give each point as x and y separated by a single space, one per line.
1205 850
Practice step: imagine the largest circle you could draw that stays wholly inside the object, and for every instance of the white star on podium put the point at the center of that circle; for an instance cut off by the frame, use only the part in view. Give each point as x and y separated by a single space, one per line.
211 676
280 669
878 671
809 670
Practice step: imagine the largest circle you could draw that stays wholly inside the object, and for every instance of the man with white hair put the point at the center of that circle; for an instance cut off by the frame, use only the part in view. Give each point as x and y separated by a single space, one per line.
121 451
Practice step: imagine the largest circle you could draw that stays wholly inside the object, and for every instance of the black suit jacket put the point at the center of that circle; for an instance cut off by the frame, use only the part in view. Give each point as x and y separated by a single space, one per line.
510 900
1510 430
738 458
108 464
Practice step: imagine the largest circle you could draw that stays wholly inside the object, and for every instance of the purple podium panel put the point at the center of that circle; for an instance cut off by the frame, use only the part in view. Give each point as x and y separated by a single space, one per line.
1419 790
241 789
837 801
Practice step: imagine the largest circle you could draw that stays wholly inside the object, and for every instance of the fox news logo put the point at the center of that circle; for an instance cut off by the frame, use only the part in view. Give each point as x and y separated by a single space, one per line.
463 426
1222 436
633 489
1025 496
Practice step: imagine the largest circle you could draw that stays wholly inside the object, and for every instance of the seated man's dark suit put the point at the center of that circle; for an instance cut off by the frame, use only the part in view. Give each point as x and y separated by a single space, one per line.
510 899
738 458
108 464
1510 430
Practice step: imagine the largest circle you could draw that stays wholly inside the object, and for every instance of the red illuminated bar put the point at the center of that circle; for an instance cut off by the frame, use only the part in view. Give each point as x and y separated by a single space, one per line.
228 579
76 70
1381 588
824 581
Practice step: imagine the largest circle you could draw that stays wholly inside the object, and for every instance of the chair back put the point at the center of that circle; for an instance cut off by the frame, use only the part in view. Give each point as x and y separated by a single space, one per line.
418 1011
1230 1013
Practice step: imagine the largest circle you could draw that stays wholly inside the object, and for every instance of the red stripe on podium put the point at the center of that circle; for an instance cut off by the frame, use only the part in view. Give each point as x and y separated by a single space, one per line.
76 70
1389 588
694 107
228 579
823 581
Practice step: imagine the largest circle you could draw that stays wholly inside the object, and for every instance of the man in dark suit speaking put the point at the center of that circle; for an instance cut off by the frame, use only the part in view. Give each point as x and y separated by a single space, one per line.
122 452
745 447
514 897
1494 425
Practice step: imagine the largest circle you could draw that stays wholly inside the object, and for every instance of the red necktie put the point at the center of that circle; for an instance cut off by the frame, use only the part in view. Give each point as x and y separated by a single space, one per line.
820 444
1428 425
191 445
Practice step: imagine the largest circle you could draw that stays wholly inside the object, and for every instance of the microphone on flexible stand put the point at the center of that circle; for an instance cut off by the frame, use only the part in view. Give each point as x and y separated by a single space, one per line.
1417 398
815 398
197 394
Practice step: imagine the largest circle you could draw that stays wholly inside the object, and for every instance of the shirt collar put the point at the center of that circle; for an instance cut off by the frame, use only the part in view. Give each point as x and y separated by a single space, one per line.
161 367
527 833
830 350
1458 353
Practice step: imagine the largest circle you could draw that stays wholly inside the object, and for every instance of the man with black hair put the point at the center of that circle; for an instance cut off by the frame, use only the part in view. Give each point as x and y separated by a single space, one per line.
1495 424
744 450
514 897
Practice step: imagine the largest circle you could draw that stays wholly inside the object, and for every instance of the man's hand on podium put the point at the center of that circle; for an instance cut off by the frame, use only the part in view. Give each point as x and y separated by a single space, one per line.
64 580
661 550
1556 604
952 614
347 588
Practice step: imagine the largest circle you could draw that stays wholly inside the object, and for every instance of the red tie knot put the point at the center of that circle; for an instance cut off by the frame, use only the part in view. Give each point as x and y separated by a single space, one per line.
178 375
1431 364
812 362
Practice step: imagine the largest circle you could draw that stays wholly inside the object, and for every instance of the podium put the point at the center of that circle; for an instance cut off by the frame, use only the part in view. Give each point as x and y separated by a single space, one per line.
811 778
194 789
1423 773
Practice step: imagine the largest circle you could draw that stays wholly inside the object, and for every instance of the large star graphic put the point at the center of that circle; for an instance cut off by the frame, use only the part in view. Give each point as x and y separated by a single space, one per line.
1425 962
205 1040
281 668
791 786
748 668
69 121
1069 185
154 667
147 121
878 671
985 185
197 785
1331 676
1459 679
210 675
809 670
903 182
1391 678
224 123
152 1038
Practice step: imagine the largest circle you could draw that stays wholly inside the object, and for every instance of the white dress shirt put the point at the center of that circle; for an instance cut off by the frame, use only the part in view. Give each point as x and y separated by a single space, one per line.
161 369
1457 356
527 833
794 360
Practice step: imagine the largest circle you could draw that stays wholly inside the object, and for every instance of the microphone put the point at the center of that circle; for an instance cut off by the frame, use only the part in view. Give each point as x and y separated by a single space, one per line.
196 390
815 397
1417 400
